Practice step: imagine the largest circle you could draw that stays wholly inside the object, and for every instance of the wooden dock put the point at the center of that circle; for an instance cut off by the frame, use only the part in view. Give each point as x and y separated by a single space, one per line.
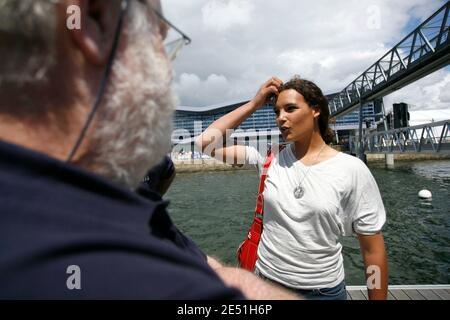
415 292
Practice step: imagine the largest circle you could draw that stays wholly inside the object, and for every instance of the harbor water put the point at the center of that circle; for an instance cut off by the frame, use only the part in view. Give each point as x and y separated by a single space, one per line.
216 208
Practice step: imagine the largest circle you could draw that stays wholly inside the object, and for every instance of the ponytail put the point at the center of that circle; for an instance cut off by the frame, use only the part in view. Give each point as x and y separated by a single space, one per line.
328 136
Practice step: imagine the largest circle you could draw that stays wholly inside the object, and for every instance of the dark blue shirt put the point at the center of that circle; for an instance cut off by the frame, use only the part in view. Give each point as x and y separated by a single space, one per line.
54 215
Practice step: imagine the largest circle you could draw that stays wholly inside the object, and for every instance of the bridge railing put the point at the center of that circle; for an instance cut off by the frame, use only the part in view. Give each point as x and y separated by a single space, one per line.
432 137
418 54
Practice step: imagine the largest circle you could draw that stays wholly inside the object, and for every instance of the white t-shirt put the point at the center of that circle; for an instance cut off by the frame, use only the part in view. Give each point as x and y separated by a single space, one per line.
300 245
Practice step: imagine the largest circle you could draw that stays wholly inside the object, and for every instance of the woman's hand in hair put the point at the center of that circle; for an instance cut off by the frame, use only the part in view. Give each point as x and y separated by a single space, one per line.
270 87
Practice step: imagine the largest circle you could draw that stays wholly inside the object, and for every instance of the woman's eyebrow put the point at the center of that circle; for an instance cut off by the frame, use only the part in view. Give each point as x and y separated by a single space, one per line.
289 104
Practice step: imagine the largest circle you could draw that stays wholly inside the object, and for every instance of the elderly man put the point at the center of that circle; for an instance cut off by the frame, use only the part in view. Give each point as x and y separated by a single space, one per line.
85 111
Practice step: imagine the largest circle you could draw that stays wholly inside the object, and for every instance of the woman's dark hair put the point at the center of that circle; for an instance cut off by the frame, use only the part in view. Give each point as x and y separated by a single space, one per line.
314 98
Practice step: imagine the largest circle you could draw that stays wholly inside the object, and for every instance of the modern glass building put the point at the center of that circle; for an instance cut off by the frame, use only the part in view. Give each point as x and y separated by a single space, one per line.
190 118
193 120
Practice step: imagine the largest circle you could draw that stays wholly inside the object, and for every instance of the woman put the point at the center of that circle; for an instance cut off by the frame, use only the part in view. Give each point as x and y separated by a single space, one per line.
313 195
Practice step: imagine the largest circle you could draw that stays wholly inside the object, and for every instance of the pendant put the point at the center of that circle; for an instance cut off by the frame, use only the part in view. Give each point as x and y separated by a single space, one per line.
299 192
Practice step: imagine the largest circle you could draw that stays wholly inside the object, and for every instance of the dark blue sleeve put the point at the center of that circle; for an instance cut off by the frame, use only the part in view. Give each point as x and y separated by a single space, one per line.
190 244
116 274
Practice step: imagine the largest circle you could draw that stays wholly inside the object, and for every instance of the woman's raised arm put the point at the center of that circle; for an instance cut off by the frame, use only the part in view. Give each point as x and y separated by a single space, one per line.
213 140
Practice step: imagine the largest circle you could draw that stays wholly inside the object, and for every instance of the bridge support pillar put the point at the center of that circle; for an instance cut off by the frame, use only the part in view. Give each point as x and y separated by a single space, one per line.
389 159
360 133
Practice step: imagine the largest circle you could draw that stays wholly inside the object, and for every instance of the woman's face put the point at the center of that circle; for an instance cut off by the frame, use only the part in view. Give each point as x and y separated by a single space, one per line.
294 117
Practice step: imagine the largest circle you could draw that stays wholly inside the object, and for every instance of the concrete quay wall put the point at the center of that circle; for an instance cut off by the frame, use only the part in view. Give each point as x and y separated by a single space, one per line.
216 165
408 156
206 165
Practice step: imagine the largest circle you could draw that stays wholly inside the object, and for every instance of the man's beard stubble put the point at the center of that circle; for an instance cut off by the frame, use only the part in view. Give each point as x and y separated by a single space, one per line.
134 124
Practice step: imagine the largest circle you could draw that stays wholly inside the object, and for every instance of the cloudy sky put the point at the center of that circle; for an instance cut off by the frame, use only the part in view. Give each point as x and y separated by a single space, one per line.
238 44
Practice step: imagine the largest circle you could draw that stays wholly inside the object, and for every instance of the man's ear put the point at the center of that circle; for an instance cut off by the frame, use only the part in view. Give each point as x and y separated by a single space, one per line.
98 23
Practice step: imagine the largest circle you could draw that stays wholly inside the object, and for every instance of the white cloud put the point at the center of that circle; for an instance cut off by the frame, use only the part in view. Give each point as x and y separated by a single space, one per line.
238 44
444 96
193 90
220 15
324 66
431 92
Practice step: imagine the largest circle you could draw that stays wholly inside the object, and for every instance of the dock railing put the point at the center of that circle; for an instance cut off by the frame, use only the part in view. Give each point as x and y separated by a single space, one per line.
427 138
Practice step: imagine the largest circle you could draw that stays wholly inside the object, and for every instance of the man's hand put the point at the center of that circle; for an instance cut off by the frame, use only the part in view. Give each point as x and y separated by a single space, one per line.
214 263
252 287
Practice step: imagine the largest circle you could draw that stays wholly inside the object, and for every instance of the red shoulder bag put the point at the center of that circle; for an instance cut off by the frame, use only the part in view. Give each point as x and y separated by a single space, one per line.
247 253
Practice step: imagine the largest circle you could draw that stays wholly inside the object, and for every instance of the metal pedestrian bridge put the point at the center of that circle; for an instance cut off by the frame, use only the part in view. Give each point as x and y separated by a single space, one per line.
427 138
423 51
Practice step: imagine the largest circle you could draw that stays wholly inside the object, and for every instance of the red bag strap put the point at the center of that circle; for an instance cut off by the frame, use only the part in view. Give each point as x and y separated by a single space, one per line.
259 210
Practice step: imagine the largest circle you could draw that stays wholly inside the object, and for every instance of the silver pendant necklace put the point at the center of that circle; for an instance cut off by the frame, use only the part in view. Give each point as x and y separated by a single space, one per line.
299 190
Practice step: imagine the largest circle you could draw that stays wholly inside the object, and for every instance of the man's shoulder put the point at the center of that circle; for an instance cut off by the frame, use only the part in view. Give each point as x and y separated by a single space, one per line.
123 246
153 276
102 271
122 252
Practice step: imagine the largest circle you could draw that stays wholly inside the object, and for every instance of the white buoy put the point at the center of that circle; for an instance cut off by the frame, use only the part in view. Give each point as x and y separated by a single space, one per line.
425 194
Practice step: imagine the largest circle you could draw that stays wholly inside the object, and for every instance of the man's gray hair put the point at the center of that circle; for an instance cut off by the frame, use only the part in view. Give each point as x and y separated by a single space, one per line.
27 34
